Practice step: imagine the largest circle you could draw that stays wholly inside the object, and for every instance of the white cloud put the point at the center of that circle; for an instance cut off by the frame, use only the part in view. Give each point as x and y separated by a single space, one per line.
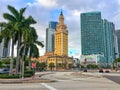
47 3
76 13
116 20
118 2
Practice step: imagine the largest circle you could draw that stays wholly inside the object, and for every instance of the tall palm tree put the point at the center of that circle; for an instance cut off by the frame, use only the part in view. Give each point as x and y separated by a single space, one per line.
16 18
32 43
8 34
26 34
2 26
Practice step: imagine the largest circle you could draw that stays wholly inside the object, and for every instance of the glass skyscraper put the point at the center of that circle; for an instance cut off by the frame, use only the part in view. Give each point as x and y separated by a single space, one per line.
97 36
117 32
50 36
91 33
109 43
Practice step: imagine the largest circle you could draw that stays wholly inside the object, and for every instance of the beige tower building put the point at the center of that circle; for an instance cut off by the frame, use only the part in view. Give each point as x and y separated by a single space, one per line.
61 38
59 58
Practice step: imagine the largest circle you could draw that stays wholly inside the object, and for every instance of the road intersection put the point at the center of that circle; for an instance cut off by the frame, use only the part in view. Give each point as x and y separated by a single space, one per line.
68 81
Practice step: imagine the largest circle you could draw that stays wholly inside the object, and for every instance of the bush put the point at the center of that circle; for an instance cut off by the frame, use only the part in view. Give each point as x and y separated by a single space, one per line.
30 72
7 76
26 74
92 66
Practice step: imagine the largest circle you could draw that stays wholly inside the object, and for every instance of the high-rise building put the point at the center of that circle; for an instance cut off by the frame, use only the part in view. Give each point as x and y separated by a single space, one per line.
109 42
91 33
97 37
61 38
50 36
117 32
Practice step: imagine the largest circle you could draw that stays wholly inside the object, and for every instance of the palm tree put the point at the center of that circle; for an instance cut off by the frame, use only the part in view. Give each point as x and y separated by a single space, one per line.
2 26
7 34
16 18
32 43
28 35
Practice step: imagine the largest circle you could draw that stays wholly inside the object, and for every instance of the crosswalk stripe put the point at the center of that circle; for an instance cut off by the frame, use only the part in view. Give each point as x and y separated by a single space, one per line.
47 86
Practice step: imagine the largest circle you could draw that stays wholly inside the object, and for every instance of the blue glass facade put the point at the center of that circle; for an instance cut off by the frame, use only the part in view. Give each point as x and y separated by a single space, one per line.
97 37
50 36
117 32
109 49
91 33
52 25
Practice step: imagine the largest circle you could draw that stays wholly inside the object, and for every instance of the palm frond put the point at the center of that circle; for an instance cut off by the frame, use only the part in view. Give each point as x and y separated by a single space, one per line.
13 11
9 17
34 51
22 10
2 24
33 33
39 43
30 20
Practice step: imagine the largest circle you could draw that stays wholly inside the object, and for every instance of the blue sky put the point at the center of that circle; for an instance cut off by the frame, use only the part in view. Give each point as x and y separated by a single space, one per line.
48 10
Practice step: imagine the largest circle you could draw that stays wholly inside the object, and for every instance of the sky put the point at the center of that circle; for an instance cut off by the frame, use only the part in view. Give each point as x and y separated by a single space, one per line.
44 11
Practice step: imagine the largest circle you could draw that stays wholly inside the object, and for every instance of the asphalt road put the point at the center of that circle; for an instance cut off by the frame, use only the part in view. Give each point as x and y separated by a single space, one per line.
113 78
66 82
65 85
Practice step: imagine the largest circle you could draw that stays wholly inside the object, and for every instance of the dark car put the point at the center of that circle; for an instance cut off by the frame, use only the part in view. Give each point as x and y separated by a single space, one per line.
85 70
107 71
101 71
4 71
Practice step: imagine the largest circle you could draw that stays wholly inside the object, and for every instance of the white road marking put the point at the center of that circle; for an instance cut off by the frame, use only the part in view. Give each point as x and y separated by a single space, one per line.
49 87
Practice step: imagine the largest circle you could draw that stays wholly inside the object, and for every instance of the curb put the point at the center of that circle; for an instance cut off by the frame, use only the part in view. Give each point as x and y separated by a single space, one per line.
26 81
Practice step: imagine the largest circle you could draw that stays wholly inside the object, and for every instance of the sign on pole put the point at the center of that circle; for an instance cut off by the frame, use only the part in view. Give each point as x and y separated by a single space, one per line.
33 65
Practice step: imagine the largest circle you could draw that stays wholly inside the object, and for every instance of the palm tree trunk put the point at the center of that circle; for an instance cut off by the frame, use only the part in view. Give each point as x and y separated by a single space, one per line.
29 59
29 63
12 53
23 61
18 54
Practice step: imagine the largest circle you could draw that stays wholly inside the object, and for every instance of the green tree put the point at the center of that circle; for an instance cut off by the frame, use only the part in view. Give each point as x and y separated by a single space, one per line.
8 34
41 66
51 66
17 19
5 62
115 63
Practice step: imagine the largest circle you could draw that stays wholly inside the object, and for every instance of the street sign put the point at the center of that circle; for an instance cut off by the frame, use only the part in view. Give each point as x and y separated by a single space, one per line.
33 65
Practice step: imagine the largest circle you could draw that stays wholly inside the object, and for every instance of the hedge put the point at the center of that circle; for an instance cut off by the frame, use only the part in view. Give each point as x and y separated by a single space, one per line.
26 74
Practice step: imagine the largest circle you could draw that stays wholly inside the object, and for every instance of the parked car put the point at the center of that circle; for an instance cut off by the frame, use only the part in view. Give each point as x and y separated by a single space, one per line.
101 70
85 70
107 71
4 71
